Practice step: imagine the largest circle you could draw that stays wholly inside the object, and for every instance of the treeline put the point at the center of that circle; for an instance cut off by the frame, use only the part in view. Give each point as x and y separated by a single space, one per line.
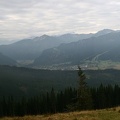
53 102
18 81
44 103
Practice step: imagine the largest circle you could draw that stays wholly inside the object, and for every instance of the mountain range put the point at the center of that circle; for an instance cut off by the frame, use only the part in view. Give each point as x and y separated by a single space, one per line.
101 48
29 49
67 49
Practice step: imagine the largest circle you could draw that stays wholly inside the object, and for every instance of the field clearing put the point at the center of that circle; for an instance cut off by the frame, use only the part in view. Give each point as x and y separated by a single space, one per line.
96 65
105 114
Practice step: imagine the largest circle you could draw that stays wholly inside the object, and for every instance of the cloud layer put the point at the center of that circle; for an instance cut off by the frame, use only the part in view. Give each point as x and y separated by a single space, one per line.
25 18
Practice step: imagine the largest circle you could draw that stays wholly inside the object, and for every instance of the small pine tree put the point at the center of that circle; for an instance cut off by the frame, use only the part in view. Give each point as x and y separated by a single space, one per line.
53 101
84 99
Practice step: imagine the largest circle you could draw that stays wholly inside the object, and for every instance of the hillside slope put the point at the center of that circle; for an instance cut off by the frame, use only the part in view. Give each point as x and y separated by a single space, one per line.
29 82
4 60
30 49
105 114
104 47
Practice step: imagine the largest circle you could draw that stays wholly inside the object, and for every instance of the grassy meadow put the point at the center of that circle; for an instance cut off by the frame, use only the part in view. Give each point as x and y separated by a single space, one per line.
105 114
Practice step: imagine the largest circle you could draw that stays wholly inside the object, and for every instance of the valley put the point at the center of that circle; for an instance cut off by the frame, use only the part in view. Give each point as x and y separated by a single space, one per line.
66 52
59 60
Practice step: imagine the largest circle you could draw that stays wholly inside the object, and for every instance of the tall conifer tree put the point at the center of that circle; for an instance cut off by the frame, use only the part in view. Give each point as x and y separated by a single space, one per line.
84 99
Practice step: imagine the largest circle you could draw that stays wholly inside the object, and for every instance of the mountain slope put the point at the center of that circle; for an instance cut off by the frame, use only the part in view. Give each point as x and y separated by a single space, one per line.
103 32
4 60
77 52
19 81
29 49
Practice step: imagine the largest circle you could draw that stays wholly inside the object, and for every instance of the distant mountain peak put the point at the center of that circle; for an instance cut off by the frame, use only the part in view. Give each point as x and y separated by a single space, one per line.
44 36
106 30
41 37
103 32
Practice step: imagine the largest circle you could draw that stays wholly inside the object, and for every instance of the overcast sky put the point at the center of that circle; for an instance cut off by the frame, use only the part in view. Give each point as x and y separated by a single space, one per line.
26 18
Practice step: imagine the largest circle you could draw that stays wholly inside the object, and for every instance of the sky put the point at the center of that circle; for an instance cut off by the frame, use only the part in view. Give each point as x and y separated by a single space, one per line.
29 18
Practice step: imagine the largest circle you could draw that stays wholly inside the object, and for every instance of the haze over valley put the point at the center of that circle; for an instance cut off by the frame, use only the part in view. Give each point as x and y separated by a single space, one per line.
91 51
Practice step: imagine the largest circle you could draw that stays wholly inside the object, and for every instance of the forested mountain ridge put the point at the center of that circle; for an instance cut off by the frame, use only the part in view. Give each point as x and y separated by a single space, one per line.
30 49
4 60
99 48
19 81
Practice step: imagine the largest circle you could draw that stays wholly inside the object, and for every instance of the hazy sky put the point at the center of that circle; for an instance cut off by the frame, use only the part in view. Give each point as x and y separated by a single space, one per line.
25 18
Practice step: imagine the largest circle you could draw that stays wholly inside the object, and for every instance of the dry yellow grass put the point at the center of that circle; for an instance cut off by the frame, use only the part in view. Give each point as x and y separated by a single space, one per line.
106 114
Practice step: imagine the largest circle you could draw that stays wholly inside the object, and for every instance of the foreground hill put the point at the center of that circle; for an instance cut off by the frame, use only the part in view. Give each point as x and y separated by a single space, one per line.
29 82
105 114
